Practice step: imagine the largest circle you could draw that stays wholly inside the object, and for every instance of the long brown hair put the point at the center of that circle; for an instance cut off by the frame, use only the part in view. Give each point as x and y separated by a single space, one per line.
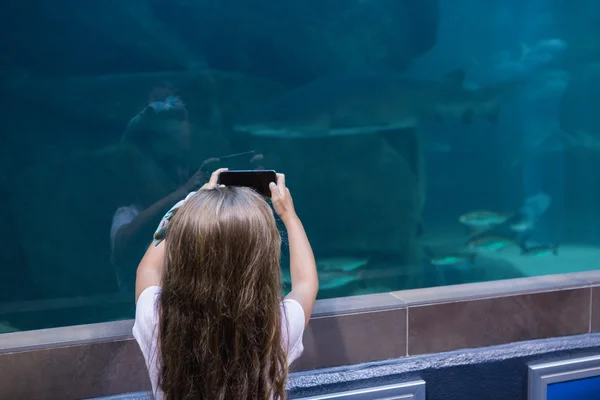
220 330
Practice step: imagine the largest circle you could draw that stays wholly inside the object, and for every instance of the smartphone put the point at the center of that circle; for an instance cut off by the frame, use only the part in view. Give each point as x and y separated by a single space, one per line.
256 179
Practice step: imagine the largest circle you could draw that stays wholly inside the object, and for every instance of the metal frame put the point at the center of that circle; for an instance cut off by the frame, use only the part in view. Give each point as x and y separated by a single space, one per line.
543 374
413 390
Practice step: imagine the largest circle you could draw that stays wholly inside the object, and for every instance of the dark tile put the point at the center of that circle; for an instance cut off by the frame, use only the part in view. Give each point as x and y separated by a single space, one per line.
75 372
595 310
353 339
505 287
487 322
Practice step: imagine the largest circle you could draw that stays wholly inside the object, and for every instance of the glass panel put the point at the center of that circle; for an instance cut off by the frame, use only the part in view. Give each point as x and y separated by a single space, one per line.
426 142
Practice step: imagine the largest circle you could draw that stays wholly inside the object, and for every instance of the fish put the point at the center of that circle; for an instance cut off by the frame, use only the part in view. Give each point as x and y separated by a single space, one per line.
484 218
448 258
490 242
540 251
372 102
334 272
453 258
335 280
327 280
468 105
543 51
522 225
341 264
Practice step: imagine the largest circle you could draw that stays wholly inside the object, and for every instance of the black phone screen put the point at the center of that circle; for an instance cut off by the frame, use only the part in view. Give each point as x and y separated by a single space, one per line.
256 179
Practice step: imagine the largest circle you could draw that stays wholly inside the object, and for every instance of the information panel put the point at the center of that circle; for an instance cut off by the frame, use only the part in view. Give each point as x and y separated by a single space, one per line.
568 379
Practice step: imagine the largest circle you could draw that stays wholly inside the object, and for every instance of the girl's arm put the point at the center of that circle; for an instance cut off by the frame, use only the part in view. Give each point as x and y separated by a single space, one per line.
150 270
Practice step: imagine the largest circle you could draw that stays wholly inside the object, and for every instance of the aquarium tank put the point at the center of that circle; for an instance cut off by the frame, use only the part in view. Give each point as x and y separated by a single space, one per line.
426 142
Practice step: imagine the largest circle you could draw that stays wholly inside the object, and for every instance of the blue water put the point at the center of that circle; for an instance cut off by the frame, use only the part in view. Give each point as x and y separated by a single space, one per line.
390 119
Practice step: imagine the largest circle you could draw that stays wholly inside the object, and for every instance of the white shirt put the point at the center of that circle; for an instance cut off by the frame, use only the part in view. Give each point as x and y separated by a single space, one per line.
123 216
145 331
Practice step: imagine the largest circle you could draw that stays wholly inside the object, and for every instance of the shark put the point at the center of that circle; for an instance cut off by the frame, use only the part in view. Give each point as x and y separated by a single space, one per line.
374 102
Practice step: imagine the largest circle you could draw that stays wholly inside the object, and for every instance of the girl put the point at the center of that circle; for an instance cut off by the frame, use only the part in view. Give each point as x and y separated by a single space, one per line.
210 320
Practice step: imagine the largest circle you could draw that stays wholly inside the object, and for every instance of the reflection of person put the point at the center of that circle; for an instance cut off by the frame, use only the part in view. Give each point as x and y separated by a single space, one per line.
210 320
132 224
161 133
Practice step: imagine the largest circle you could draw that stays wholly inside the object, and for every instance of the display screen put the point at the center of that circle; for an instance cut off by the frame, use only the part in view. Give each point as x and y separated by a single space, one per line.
580 389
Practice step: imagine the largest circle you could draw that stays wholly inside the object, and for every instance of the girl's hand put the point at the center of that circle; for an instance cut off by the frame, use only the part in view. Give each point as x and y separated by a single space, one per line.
282 199
213 182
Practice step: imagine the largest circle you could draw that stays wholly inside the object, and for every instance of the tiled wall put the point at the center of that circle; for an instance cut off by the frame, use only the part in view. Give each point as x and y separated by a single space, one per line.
595 310
73 372
69 363
454 317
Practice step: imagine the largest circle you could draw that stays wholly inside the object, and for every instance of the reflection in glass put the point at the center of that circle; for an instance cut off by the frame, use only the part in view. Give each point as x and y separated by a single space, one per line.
427 142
